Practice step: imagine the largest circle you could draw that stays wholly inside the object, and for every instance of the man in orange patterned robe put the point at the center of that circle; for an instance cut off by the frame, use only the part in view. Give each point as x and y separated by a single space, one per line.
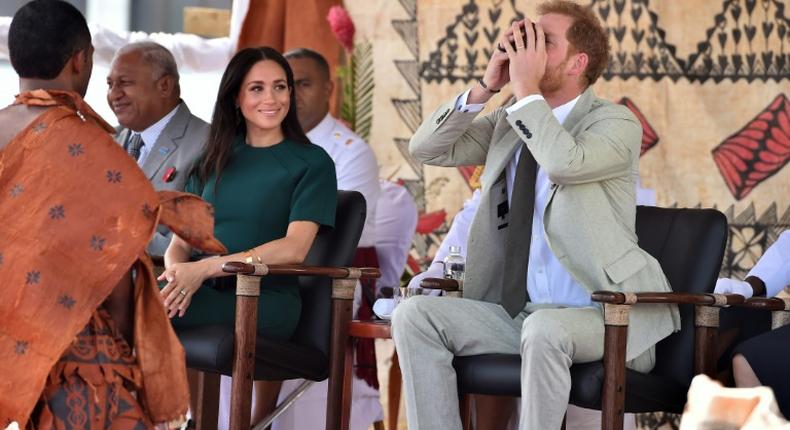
84 338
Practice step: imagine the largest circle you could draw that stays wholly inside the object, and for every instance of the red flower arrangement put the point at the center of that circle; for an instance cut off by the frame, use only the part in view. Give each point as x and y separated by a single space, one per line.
342 26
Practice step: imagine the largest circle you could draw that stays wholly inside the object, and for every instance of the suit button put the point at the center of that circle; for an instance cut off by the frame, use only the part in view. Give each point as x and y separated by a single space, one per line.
519 123
529 135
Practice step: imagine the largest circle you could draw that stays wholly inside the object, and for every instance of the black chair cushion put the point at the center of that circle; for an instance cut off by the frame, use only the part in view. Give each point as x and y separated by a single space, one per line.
491 374
500 375
210 349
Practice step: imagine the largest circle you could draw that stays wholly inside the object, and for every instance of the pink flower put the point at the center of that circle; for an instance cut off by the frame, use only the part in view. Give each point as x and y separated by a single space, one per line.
342 26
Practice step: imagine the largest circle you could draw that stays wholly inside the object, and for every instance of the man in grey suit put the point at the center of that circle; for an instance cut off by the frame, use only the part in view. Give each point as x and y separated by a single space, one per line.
156 127
555 222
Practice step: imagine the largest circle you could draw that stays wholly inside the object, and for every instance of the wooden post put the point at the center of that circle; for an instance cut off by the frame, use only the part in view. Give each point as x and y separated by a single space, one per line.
248 289
615 336
342 301
706 320
207 404
466 411
348 384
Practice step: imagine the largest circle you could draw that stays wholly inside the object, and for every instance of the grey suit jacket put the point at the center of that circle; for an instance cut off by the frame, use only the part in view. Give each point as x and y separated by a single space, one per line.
178 147
592 161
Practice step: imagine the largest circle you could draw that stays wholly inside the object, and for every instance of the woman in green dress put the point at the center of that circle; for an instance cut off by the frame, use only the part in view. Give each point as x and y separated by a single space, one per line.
271 190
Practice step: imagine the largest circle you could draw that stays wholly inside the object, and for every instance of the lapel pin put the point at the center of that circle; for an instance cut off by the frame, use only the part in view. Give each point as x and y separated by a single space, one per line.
170 174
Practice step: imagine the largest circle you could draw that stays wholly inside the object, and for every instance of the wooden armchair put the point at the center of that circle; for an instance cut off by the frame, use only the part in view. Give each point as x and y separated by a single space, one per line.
316 349
689 244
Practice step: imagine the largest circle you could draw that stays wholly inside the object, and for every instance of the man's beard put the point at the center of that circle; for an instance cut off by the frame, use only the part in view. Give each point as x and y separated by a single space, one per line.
552 80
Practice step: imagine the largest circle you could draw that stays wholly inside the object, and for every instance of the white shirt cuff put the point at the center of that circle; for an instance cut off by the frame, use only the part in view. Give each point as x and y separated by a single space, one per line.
461 106
523 102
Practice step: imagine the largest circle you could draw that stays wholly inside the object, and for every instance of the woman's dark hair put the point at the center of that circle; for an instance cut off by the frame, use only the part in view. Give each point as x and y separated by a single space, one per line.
227 122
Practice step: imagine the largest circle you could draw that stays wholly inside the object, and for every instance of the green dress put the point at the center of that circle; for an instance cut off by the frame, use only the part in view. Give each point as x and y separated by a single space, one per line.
259 193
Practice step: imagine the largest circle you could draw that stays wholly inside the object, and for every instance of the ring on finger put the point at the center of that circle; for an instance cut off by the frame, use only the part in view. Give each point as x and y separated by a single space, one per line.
500 48
183 292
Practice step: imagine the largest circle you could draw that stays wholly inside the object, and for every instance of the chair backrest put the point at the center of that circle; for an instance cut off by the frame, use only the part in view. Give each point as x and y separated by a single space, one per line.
689 244
331 247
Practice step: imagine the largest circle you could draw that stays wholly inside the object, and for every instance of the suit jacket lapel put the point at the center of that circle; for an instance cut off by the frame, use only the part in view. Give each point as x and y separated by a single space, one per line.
500 156
168 141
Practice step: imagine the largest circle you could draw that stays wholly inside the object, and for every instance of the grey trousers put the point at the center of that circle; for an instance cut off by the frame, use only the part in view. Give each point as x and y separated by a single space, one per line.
429 331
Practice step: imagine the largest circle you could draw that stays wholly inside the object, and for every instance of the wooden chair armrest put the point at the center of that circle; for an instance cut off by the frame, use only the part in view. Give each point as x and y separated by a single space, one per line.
238 267
779 308
706 321
771 304
439 284
701 299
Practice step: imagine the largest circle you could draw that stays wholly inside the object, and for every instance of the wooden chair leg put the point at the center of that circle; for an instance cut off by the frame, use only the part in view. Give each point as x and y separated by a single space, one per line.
247 293
706 340
378 425
613 402
207 402
341 316
348 385
393 394
466 411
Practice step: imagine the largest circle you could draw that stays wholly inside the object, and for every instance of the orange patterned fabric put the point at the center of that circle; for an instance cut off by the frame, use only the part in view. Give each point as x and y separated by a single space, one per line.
76 214
92 384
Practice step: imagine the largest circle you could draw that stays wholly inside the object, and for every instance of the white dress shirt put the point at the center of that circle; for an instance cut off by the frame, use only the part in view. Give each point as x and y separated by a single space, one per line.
151 134
355 166
774 266
547 280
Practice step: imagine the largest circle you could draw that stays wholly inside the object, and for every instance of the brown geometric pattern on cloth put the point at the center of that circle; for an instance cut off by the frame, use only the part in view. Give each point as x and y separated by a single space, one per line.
757 151
77 213
366 351
743 42
92 385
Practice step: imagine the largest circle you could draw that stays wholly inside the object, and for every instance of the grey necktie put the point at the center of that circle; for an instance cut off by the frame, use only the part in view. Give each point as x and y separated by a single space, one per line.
135 144
514 281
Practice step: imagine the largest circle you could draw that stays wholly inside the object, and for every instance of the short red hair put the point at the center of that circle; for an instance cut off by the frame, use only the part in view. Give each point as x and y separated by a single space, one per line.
586 35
